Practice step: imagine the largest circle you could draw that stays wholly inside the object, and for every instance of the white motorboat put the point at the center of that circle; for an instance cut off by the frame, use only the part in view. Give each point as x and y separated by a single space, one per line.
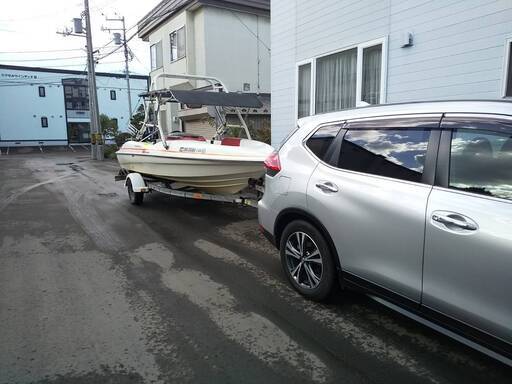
223 165
220 166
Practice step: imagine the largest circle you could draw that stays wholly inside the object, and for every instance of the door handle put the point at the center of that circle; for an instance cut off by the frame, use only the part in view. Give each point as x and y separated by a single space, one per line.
327 186
460 223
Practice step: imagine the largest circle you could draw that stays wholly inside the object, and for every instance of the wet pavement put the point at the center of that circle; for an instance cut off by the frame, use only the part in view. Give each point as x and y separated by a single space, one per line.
95 290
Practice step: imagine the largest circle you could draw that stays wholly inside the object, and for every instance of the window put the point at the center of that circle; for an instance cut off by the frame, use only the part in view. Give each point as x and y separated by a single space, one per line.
44 122
336 81
156 55
343 79
396 153
42 92
113 95
508 72
481 162
178 44
372 68
321 140
304 90
83 92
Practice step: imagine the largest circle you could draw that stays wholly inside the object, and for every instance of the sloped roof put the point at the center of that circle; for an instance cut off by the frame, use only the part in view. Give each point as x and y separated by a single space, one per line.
167 8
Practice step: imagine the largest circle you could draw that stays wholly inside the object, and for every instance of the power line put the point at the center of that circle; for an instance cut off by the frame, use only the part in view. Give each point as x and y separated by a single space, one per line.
97 8
47 59
79 65
251 31
44 59
43 51
117 48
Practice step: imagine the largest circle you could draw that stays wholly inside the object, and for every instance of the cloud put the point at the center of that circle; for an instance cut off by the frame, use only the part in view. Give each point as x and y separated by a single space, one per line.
405 148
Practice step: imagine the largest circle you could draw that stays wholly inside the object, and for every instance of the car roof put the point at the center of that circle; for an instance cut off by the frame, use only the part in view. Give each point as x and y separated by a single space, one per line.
499 107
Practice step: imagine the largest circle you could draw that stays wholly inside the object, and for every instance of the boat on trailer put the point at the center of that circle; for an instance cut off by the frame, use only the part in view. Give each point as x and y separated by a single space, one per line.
220 165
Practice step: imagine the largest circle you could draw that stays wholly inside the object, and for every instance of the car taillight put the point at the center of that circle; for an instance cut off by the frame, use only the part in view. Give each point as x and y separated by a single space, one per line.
272 164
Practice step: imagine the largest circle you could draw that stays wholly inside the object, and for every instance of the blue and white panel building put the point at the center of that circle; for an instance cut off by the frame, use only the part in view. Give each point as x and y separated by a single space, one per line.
46 106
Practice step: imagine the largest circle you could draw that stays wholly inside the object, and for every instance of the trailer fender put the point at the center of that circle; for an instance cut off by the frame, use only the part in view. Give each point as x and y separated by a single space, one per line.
138 183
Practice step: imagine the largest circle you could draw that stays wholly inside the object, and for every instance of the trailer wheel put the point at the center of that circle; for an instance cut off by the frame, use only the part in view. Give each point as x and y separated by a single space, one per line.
136 198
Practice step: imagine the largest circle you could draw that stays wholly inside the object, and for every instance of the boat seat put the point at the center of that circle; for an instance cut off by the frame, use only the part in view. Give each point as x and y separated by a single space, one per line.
231 141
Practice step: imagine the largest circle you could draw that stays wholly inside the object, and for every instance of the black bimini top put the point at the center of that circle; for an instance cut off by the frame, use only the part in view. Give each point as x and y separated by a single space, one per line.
197 98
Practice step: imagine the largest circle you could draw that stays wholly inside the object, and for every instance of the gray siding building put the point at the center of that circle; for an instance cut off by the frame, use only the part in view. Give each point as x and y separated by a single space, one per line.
334 54
227 39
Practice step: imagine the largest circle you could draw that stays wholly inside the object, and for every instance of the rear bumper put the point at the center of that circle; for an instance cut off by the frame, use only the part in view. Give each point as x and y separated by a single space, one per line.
266 218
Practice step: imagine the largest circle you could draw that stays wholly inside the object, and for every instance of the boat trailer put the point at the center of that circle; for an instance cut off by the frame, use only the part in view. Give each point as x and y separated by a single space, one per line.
138 185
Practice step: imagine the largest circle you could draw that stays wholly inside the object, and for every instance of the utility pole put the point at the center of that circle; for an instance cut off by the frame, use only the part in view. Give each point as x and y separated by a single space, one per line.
96 136
95 127
124 42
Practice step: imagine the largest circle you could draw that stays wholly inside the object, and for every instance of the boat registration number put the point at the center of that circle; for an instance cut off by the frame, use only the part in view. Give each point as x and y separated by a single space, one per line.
192 150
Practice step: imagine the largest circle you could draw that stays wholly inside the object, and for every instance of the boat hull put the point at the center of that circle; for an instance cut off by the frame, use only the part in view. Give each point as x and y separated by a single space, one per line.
212 176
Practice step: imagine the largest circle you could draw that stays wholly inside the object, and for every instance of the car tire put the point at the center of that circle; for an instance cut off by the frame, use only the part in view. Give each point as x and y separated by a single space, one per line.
309 267
136 198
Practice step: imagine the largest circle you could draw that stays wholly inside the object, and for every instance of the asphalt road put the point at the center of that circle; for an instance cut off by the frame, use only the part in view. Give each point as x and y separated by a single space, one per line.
95 290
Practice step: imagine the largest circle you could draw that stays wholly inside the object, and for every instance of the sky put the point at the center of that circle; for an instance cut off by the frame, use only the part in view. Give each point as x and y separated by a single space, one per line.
28 33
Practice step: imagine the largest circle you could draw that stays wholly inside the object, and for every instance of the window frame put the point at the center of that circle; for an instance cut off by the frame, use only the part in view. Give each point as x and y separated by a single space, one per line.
114 94
178 57
442 180
43 89
312 63
156 56
331 156
44 122
431 159
359 73
507 68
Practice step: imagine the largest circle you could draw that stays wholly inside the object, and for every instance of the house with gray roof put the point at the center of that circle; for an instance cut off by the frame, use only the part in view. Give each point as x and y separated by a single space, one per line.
228 39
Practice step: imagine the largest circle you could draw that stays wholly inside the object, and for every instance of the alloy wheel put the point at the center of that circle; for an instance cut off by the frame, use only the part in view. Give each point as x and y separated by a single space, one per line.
303 260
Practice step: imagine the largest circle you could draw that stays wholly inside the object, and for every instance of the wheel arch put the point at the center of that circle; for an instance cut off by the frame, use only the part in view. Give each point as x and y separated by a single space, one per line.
292 214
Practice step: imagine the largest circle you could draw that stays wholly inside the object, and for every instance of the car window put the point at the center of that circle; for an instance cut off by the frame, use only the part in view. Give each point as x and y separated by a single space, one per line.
322 139
481 162
396 153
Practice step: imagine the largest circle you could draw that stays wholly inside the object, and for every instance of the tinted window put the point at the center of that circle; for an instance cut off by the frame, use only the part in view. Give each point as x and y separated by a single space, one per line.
481 162
42 92
321 140
397 153
113 95
44 122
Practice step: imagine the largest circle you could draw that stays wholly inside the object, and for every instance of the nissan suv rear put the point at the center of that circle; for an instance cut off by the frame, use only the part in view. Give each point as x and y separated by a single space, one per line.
411 203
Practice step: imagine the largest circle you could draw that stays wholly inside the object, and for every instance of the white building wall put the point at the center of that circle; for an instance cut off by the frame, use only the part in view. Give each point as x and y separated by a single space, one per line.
21 108
119 108
162 34
232 51
219 43
458 51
